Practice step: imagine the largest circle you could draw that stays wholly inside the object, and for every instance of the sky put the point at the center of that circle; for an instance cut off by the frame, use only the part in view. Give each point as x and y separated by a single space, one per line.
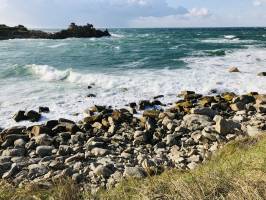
133 13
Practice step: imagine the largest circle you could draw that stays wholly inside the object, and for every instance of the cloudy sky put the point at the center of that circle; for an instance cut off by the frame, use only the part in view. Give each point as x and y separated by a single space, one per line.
134 13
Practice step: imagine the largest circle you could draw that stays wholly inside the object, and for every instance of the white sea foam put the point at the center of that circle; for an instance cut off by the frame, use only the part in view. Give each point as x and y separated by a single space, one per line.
48 73
229 36
57 45
64 91
115 35
225 40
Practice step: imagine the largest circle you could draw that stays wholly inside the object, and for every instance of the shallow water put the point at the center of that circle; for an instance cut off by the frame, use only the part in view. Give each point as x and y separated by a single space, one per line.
133 64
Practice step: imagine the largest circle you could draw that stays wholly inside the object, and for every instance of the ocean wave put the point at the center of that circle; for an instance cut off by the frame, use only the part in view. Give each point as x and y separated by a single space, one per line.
48 73
223 40
230 37
115 35
57 45
215 53
51 74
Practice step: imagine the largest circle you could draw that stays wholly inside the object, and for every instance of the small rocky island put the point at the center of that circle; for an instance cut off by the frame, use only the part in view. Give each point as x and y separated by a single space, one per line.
21 32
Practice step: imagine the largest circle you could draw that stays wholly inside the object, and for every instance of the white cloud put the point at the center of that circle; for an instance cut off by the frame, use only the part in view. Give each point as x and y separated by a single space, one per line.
139 2
193 17
125 13
102 13
199 12
259 2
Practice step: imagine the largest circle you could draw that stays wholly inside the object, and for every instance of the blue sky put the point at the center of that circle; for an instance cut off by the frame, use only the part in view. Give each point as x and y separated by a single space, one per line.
134 13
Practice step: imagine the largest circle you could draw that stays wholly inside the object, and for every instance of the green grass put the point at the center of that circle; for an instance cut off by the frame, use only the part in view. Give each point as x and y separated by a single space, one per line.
238 171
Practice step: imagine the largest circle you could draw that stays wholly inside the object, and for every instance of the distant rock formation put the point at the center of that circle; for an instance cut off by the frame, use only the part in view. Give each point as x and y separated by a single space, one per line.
73 30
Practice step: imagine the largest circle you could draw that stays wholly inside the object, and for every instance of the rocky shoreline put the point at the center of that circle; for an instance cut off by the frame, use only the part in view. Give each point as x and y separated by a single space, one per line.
75 31
112 144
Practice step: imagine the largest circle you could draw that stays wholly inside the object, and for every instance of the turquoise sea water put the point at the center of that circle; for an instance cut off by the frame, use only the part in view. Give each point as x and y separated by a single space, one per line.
131 65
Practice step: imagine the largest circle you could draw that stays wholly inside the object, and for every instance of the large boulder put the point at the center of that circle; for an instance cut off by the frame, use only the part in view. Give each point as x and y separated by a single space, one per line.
233 69
43 151
33 116
16 130
38 130
262 74
204 111
224 126
195 121
135 172
20 116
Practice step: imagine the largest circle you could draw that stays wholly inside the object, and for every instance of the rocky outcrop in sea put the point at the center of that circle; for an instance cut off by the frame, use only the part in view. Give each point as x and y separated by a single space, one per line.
109 144
21 32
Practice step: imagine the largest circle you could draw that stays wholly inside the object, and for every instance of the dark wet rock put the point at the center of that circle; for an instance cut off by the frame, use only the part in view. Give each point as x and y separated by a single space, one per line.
132 105
63 120
20 116
158 97
98 108
244 99
33 116
73 30
262 74
51 124
145 104
157 103
91 95
44 109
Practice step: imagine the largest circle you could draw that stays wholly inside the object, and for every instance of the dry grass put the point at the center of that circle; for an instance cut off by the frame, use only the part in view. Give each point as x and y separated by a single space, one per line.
61 190
237 172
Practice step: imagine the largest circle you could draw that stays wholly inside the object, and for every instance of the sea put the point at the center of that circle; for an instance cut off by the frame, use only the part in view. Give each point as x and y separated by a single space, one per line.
131 65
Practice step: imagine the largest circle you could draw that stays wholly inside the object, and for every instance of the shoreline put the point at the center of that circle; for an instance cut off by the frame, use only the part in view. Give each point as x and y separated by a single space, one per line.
111 144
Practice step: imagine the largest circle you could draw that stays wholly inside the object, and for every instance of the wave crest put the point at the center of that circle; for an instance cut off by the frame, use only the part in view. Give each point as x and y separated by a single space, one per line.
48 73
